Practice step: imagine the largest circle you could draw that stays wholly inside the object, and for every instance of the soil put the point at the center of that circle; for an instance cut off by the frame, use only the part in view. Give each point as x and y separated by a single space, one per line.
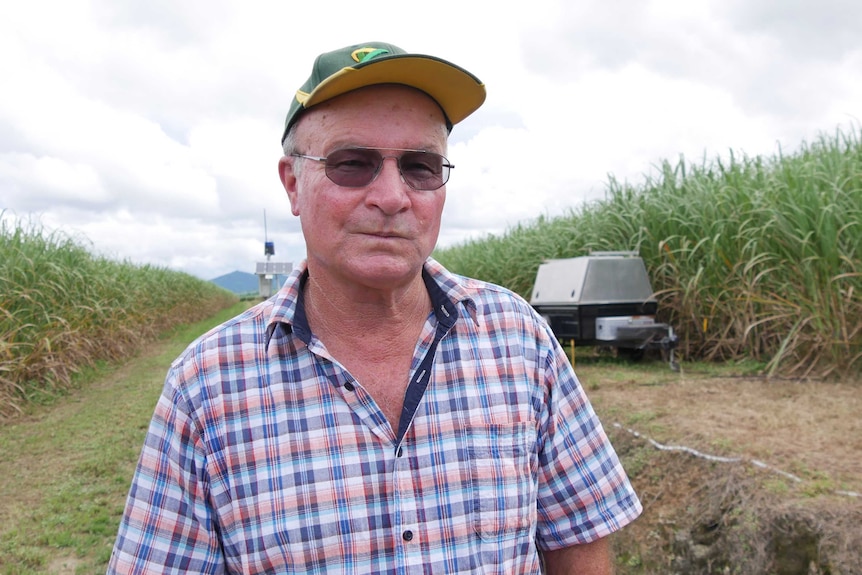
737 474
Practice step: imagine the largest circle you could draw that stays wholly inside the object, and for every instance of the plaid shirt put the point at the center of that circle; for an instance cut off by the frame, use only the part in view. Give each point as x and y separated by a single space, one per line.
265 455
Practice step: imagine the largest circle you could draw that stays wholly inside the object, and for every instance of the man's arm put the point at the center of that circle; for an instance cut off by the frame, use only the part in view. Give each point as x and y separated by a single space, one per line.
167 524
587 559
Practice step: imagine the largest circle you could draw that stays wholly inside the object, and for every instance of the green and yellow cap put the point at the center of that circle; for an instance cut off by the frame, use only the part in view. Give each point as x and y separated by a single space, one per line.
458 92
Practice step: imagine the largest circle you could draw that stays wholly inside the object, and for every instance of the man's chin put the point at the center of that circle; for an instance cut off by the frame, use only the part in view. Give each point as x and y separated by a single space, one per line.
385 270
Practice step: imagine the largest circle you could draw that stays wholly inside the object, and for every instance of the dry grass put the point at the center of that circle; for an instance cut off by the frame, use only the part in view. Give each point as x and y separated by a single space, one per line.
809 429
63 309
709 517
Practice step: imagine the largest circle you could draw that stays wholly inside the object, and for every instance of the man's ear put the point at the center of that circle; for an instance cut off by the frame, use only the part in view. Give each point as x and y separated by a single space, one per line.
288 180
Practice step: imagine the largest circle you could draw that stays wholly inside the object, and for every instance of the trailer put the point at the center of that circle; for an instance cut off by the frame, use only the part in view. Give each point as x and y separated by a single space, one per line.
603 299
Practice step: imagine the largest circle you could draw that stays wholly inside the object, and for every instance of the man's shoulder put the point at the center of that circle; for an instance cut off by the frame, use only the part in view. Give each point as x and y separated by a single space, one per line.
243 327
484 301
461 287
251 327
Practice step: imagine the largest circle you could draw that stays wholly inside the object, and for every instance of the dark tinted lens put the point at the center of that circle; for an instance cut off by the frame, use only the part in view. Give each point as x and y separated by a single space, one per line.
424 170
353 167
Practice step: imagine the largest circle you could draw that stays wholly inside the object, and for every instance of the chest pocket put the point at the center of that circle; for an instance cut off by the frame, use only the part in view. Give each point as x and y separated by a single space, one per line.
502 466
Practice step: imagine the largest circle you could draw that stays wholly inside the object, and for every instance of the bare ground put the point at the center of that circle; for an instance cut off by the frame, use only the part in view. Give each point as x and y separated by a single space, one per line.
790 503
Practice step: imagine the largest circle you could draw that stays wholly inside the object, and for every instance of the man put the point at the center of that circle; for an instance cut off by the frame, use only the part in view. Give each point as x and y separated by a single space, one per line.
379 414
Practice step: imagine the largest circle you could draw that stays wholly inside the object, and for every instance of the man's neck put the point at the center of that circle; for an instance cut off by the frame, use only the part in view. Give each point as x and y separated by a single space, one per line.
339 311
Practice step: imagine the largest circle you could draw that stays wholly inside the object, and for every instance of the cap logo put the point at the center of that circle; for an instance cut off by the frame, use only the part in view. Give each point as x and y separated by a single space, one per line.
362 54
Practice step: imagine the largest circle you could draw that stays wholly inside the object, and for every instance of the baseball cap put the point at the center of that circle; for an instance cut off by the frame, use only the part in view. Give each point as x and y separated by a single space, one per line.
458 92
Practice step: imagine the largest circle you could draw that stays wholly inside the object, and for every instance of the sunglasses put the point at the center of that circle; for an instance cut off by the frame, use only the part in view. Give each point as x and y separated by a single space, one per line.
358 167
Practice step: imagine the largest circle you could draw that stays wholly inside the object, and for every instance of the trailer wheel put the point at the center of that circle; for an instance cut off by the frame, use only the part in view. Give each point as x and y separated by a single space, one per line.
631 353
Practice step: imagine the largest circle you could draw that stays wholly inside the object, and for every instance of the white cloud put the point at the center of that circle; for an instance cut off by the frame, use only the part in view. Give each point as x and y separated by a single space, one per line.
153 127
35 184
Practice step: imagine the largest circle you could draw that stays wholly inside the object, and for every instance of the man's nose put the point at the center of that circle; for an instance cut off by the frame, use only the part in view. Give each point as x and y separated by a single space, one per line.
389 191
394 167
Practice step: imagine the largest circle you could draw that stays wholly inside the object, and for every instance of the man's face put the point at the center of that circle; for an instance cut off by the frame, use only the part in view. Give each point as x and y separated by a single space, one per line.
379 235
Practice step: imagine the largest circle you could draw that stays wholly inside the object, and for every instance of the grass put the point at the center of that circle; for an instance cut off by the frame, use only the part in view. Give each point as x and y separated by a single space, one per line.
63 310
67 466
751 258
755 262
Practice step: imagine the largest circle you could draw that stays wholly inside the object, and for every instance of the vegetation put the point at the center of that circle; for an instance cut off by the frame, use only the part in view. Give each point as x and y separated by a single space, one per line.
62 309
67 469
756 258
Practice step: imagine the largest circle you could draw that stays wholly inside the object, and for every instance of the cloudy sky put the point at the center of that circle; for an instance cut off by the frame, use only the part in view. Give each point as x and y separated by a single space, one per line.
150 129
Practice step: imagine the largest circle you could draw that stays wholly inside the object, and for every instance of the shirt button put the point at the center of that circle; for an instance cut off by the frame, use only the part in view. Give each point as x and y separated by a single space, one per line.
407 535
349 386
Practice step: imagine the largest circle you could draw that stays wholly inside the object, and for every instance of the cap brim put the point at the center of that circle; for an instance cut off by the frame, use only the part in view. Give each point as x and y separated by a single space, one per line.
457 91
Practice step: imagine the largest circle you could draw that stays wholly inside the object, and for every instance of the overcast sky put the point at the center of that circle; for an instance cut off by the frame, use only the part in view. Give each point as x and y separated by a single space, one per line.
151 129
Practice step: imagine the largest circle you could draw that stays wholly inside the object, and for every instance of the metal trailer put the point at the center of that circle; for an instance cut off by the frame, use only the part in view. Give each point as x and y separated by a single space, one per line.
603 299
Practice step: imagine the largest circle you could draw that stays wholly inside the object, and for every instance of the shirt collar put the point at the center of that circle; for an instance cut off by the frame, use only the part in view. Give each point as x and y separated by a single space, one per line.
446 290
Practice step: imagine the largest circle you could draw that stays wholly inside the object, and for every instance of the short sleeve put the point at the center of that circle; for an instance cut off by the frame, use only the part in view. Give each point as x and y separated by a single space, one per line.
583 491
168 526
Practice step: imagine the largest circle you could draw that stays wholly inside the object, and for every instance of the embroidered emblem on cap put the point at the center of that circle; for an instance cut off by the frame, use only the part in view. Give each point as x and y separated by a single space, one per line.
363 54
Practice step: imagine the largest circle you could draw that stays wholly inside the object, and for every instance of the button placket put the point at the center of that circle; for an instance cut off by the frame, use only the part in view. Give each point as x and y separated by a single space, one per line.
407 526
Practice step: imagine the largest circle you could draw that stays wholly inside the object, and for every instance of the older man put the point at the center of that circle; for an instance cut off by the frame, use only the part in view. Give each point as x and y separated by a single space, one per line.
379 414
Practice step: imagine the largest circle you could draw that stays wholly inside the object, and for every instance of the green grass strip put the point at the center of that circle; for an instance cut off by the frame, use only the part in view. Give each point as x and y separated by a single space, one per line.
66 467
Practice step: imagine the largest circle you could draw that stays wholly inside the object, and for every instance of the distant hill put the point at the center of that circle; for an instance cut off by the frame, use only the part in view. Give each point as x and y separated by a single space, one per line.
237 282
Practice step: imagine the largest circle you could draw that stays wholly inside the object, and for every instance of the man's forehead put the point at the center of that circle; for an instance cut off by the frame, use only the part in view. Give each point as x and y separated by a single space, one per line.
407 108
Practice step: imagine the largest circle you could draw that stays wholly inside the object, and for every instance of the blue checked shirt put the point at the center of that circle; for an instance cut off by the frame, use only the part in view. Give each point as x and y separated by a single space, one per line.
265 455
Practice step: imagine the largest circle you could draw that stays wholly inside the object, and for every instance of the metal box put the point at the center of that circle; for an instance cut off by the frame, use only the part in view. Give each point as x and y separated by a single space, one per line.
601 299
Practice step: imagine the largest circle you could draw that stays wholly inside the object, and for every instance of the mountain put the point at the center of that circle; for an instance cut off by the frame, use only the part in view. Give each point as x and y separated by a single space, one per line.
237 282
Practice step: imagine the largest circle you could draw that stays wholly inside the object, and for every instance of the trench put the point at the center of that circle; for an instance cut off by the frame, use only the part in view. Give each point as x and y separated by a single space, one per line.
708 517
